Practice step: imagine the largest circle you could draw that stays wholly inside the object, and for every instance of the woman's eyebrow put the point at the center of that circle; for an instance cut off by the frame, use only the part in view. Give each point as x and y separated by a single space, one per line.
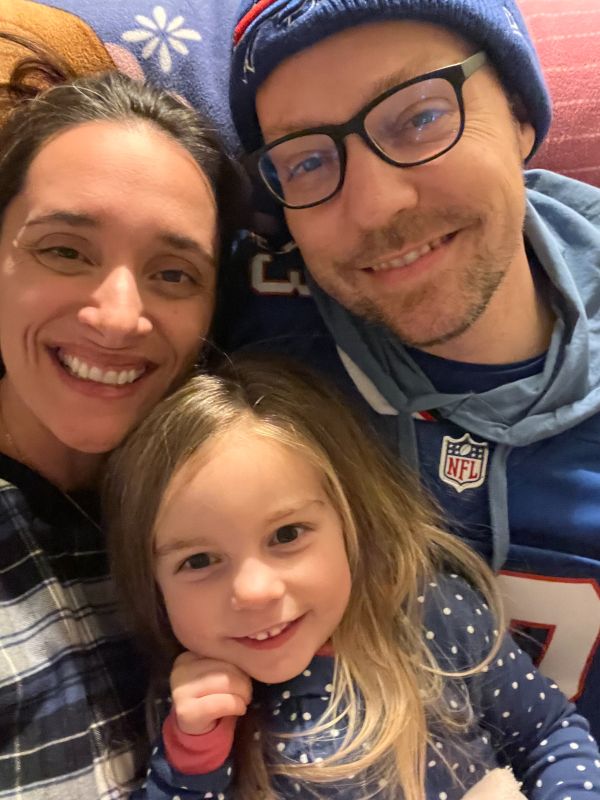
181 242
69 217
177 240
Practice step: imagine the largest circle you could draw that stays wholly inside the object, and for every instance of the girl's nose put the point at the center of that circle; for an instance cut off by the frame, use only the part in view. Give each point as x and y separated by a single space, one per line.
256 585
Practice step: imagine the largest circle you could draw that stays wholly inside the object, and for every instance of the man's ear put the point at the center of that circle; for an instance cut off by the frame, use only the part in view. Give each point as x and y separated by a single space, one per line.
526 139
525 130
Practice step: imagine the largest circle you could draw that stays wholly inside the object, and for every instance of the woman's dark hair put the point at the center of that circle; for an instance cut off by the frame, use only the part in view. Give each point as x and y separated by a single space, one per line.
43 97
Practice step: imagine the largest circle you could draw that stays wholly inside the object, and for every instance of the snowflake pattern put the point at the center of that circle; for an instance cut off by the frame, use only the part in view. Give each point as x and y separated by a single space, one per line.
162 35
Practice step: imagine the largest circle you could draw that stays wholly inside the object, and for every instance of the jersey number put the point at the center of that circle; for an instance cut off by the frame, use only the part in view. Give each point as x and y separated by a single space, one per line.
263 283
570 610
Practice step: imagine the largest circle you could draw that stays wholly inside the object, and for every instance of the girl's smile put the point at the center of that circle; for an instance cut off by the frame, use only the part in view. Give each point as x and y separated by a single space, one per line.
273 637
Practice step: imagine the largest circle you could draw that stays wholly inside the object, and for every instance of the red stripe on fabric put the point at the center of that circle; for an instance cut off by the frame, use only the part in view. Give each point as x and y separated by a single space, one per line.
424 416
248 19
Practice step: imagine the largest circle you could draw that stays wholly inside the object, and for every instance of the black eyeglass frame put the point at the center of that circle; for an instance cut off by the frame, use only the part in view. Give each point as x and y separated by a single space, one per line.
454 74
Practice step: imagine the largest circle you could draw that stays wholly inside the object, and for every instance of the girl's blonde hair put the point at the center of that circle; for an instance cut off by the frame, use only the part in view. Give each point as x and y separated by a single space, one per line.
388 689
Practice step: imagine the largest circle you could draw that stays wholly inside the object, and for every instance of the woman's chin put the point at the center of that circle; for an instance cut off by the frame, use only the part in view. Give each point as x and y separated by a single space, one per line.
92 442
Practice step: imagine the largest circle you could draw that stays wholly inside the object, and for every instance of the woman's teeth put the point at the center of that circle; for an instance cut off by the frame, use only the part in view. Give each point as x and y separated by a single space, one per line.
410 257
268 634
112 377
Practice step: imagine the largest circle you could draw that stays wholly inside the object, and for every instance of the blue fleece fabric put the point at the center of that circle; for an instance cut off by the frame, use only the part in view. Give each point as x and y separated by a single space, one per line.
181 45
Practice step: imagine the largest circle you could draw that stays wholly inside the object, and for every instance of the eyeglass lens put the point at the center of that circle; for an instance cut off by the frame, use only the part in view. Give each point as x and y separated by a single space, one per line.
412 125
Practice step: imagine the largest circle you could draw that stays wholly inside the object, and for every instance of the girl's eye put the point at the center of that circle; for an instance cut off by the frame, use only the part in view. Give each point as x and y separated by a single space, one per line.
288 534
198 561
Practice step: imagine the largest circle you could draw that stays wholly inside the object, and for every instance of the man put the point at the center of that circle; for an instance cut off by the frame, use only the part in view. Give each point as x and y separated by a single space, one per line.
460 309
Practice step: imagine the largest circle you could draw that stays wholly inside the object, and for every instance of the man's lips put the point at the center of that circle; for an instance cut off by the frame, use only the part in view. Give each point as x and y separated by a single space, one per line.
407 257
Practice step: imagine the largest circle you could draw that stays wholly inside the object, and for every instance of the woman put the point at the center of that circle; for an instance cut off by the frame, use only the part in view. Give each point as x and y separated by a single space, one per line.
115 202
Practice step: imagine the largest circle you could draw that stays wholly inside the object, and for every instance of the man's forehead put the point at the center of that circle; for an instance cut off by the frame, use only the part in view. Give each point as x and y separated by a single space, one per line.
303 91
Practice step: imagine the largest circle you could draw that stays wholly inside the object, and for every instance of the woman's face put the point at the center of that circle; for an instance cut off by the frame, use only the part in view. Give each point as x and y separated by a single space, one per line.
107 280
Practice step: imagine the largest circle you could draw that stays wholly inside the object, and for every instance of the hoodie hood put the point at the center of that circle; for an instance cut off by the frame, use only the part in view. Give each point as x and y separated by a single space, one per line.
562 226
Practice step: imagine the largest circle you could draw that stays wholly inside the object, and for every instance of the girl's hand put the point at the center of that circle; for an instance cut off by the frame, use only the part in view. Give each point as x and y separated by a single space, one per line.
205 690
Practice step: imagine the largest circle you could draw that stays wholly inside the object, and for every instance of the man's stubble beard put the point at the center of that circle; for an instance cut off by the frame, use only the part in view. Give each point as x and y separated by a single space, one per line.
481 279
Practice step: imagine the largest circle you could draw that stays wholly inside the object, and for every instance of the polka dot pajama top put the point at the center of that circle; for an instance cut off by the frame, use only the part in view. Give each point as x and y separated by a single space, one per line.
520 718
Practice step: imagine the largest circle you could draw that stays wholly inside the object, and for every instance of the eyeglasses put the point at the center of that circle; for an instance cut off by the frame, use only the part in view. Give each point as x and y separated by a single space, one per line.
410 124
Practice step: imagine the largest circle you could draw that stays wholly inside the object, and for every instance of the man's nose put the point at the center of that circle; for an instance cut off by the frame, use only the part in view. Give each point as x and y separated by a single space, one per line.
116 310
256 585
374 192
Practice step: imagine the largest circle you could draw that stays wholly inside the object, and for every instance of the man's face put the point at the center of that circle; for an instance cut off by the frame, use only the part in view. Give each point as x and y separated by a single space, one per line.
424 249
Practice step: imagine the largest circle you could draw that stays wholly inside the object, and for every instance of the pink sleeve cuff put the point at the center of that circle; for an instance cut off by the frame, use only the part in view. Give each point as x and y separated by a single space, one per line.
198 755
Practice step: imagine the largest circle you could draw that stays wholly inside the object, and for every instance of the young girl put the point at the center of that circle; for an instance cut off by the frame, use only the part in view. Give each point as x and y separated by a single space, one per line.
329 639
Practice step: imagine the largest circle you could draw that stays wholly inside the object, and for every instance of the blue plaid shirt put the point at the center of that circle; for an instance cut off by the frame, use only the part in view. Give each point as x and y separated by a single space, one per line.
71 686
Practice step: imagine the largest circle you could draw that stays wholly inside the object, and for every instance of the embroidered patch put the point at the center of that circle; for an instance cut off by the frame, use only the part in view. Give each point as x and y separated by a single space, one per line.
463 462
512 21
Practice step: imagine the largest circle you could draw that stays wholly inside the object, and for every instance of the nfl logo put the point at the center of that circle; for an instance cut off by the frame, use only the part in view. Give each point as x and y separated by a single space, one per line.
463 462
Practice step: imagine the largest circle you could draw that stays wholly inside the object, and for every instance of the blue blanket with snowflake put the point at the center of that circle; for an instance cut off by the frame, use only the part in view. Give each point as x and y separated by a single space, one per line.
182 45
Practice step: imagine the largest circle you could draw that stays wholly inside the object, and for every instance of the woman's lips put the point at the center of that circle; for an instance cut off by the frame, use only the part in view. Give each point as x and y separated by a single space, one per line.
96 385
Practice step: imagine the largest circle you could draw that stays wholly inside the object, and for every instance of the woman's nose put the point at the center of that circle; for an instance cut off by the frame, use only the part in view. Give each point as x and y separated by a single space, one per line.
116 310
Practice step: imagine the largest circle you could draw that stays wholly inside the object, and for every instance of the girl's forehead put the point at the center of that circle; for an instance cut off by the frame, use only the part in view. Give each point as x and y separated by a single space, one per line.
244 453
235 485
240 436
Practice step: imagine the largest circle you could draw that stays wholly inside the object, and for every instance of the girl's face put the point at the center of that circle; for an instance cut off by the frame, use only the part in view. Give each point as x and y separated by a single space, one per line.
107 278
250 557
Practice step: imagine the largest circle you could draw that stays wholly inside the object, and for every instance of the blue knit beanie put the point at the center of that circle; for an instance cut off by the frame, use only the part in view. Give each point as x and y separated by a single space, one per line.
269 31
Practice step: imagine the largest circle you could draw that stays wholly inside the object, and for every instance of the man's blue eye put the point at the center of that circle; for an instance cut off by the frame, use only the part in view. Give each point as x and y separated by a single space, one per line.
307 165
426 118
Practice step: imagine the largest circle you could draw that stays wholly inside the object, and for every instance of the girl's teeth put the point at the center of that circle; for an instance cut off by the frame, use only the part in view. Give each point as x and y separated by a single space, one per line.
263 635
111 377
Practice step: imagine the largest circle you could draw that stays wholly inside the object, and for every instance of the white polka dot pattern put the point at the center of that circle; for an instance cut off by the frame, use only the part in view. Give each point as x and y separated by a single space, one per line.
515 711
